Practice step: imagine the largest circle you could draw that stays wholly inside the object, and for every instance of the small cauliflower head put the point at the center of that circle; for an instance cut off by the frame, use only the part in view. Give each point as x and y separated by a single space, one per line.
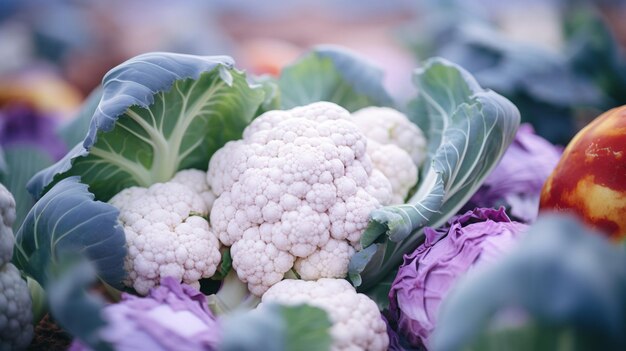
357 323
166 232
16 318
396 165
396 146
388 126
295 192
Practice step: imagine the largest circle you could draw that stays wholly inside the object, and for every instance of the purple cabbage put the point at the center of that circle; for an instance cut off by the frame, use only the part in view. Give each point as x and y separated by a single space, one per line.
173 316
22 124
478 237
517 180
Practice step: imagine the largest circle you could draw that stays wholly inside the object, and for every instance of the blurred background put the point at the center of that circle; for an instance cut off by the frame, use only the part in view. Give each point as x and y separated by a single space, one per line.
554 52
561 62
558 60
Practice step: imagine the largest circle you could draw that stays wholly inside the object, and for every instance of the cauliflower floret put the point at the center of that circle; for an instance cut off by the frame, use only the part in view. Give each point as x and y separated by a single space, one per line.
396 165
330 261
16 318
166 234
388 126
7 217
195 180
7 207
357 323
296 179
261 263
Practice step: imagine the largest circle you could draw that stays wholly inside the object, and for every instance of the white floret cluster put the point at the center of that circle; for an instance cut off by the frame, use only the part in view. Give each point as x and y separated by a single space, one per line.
396 146
295 192
356 321
16 318
167 233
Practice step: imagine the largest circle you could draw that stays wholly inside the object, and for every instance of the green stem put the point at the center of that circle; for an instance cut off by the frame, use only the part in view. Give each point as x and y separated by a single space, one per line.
291 274
232 295
38 298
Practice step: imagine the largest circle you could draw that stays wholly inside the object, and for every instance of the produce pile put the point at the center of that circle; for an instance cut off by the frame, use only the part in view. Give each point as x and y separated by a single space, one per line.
202 208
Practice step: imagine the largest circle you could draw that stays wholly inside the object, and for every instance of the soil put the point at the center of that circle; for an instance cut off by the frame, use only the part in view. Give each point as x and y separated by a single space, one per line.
49 337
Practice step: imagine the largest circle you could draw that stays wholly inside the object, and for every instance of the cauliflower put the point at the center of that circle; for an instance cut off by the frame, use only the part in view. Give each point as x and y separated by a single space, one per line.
396 165
16 328
357 323
166 232
388 126
195 180
396 146
294 192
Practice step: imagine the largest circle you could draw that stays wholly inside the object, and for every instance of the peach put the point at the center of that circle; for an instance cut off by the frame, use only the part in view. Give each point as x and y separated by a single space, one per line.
590 178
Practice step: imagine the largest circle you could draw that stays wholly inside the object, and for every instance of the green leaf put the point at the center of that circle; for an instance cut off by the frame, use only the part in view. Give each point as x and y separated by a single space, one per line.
75 309
380 292
225 265
278 328
159 113
332 74
272 93
232 295
67 220
567 280
469 129
39 299
359 263
22 161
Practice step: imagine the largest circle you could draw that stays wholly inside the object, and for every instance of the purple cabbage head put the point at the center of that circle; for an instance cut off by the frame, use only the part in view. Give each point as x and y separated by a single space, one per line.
173 316
476 238
22 124
517 180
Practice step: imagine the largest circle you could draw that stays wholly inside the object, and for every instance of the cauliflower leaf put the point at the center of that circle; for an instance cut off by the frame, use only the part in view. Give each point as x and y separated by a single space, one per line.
159 113
68 220
277 327
468 129
333 74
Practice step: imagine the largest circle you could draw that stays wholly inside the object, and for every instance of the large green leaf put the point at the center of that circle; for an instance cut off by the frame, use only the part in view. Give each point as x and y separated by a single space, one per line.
468 129
332 74
159 113
563 288
278 328
22 161
272 93
65 221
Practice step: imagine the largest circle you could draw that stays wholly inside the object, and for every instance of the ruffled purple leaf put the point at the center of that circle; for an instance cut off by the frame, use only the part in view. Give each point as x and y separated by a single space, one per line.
517 180
173 316
475 238
396 341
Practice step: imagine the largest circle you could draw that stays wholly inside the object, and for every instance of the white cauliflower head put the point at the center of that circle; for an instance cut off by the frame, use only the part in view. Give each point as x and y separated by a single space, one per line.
396 165
166 233
16 318
297 180
357 323
388 126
